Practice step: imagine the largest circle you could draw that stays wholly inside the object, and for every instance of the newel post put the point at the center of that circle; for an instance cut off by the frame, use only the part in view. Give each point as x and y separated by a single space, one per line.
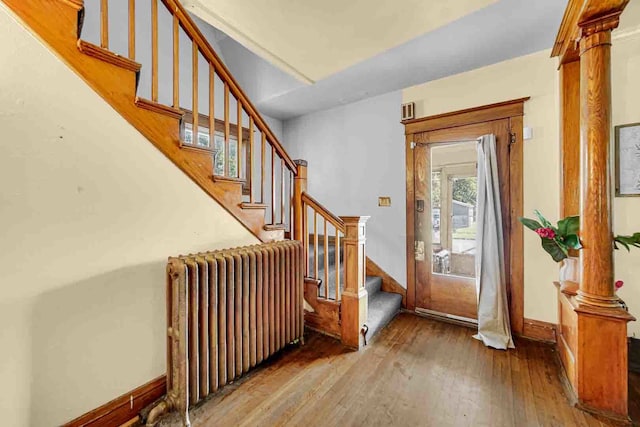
354 297
299 187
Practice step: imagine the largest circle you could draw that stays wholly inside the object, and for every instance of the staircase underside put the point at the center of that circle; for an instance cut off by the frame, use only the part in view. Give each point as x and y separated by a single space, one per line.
115 79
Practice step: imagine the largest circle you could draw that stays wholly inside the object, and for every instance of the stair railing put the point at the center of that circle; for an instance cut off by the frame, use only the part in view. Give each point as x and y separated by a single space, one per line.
313 215
275 182
234 145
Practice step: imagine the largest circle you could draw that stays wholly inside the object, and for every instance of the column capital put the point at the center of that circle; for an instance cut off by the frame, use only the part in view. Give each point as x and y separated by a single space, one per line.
598 24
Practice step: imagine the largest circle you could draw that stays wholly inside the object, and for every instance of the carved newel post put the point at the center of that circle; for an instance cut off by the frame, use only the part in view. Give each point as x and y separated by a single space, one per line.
354 297
299 187
601 352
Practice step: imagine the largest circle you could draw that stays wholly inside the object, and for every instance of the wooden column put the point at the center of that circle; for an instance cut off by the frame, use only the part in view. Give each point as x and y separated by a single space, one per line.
570 139
596 286
354 297
601 349
299 187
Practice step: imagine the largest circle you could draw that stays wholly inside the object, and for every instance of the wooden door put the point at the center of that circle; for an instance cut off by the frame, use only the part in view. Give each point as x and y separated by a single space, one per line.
442 287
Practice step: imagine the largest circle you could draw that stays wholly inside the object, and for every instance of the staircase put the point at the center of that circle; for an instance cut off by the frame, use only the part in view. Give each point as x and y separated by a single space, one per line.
197 115
382 306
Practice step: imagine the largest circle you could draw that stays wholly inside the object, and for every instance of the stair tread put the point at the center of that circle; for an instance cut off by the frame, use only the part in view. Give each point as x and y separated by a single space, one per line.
147 104
271 227
383 307
106 55
245 205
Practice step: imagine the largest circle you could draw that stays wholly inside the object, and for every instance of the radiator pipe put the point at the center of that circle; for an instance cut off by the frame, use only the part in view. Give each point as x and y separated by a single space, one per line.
165 406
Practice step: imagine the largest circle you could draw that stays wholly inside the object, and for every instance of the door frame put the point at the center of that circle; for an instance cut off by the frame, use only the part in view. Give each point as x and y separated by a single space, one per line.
512 110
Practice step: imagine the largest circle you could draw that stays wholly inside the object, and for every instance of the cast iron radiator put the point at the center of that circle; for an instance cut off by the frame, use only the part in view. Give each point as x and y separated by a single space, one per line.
227 311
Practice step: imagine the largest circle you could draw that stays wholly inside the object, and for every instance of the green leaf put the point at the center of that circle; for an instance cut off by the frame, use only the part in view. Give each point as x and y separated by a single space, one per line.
553 249
573 241
569 225
531 224
543 220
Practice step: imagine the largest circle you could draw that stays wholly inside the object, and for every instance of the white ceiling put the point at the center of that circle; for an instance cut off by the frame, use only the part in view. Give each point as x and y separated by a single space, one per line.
314 39
505 29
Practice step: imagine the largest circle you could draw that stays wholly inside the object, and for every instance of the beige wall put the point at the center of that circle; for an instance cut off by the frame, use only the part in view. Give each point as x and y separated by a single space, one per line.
625 58
90 212
536 76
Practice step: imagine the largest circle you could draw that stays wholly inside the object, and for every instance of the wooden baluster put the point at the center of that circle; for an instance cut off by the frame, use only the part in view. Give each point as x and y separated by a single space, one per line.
273 185
176 62
325 246
315 244
281 190
132 29
337 263
239 152
154 50
104 24
212 118
305 238
263 153
291 216
299 187
194 98
226 129
250 165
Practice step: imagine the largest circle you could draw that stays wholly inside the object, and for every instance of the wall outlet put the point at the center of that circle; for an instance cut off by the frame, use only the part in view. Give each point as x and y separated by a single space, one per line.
384 201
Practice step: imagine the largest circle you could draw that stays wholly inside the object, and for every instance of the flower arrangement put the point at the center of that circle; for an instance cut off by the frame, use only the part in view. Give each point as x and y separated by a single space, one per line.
558 239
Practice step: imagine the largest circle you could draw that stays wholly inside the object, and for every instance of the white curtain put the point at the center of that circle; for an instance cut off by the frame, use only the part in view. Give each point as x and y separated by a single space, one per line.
493 313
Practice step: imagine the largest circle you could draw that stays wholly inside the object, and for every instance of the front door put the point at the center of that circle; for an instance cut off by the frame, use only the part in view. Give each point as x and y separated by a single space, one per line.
445 165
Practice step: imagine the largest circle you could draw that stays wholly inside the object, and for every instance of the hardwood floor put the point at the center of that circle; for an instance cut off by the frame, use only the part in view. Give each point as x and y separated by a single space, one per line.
416 372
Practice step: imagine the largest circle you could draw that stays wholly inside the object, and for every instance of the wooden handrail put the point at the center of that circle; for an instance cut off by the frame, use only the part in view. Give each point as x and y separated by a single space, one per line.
324 212
210 55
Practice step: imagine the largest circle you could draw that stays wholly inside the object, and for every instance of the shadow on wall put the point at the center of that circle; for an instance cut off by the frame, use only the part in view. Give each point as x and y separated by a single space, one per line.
95 340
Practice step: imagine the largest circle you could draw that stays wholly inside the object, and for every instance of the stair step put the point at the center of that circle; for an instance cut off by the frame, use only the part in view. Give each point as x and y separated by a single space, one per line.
383 307
156 107
246 205
105 55
229 179
272 227
373 284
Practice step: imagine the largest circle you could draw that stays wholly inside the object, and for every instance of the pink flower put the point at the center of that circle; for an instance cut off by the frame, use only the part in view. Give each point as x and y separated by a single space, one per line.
546 233
619 284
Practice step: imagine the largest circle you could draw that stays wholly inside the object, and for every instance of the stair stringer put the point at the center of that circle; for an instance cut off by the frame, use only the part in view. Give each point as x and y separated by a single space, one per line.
117 85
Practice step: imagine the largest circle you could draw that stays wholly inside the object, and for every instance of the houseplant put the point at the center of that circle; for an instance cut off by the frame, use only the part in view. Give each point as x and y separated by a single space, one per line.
559 239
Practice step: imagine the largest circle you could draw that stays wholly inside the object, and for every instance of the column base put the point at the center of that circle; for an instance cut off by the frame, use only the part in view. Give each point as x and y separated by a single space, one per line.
601 369
585 298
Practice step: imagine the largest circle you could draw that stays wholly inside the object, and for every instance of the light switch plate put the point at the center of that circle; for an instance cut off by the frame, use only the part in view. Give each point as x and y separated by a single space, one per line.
384 201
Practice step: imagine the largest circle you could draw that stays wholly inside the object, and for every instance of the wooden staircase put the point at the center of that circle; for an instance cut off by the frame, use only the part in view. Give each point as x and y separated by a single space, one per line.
260 184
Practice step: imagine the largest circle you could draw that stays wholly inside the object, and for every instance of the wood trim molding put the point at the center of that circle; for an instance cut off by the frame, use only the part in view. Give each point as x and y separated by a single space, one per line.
108 56
389 284
124 408
538 330
579 12
469 116
513 111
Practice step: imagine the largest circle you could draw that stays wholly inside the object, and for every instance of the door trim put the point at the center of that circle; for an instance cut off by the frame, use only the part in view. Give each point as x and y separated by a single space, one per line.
514 111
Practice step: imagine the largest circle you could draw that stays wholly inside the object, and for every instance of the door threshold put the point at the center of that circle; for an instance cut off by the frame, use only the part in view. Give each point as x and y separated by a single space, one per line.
449 318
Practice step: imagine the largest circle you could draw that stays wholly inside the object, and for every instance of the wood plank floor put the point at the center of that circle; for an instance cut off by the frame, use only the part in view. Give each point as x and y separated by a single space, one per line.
417 372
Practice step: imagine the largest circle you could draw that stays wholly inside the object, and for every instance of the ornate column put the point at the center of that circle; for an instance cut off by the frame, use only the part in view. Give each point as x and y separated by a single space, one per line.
596 287
601 340
354 297
299 187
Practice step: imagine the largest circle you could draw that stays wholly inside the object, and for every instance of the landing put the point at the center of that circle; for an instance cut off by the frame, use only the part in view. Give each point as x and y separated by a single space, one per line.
415 372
